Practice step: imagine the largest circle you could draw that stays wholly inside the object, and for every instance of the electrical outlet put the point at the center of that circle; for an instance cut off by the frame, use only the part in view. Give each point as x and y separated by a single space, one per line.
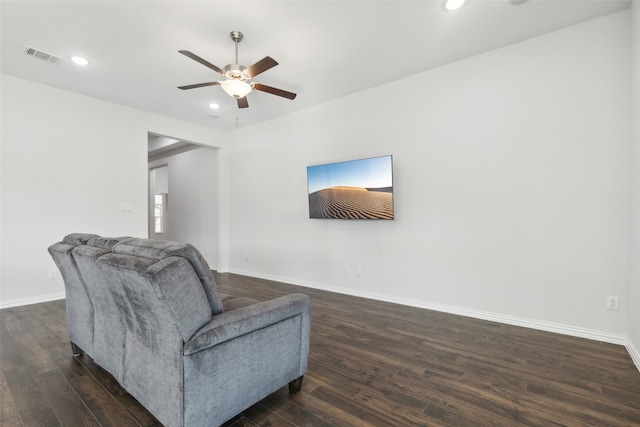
613 302
359 271
346 269
53 274
247 258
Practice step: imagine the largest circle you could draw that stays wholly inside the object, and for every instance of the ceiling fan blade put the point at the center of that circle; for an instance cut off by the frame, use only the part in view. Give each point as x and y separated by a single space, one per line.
242 102
261 66
198 85
274 91
202 61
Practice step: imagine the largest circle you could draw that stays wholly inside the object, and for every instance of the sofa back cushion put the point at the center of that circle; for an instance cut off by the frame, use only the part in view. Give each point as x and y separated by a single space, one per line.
108 326
80 313
163 297
76 239
106 243
161 249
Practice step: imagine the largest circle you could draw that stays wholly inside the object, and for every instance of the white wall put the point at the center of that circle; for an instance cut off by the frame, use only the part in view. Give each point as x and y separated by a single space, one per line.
68 162
193 200
511 186
634 284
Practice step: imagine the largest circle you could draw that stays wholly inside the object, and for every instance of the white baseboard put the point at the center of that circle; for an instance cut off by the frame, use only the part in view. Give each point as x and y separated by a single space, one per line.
634 353
32 300
477 314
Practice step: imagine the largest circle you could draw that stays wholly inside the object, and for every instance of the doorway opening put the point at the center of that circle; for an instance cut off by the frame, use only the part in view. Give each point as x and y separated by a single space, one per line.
184 193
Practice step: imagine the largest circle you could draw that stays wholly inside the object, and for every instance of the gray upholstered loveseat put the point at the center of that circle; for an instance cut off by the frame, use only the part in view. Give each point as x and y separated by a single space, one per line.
149 312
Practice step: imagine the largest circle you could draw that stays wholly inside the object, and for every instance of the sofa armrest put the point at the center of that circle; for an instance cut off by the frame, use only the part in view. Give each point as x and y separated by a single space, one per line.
231 324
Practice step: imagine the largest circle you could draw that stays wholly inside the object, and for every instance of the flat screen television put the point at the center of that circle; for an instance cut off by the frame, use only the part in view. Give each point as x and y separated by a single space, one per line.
353 189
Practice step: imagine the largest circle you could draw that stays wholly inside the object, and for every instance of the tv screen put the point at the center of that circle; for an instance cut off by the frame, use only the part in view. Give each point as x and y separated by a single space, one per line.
354 189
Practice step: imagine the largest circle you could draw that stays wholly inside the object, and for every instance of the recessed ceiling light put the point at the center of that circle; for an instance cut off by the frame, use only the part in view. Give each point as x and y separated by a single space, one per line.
80 60
214 106
454 4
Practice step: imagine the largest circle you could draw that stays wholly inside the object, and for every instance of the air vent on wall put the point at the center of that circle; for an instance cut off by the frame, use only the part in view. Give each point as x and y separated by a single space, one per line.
35 53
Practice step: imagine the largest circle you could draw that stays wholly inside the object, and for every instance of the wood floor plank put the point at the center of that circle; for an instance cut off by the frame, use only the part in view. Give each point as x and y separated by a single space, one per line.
333 379
446 417
103 377
317 408
455 396
103 405
386 362
260 415
137 412
9 415
369 415
403 408
598 412
31 403
288 406
10 352
64 401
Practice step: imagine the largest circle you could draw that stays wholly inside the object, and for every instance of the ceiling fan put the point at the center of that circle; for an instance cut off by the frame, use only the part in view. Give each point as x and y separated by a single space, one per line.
237 76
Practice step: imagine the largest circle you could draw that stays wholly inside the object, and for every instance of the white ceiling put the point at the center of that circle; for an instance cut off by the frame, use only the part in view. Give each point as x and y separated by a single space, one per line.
326 49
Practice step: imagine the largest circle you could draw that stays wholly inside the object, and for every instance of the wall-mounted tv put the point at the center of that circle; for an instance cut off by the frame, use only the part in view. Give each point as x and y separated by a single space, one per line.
354 189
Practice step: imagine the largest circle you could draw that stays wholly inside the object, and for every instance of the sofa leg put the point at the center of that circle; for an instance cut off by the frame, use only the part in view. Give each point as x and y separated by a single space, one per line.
77 351
296 385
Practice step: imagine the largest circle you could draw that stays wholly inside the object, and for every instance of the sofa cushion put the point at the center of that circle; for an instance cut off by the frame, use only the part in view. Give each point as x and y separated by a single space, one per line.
80 313
108 326
231 303
76 239
105 242
178 296
161 249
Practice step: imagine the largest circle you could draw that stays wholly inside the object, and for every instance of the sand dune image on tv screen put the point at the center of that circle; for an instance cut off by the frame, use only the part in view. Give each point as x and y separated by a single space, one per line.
351 203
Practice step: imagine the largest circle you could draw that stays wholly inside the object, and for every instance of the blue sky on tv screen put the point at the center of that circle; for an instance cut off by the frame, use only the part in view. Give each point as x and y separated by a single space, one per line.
367 173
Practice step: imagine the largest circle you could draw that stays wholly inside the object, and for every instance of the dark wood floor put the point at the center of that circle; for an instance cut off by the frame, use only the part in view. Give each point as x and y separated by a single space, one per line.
371 364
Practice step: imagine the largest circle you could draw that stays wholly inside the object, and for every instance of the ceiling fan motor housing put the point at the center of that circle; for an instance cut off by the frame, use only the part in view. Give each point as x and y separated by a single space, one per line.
236 72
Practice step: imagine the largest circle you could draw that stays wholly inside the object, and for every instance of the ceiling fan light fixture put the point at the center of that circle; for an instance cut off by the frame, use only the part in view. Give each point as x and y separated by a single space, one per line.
236 88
